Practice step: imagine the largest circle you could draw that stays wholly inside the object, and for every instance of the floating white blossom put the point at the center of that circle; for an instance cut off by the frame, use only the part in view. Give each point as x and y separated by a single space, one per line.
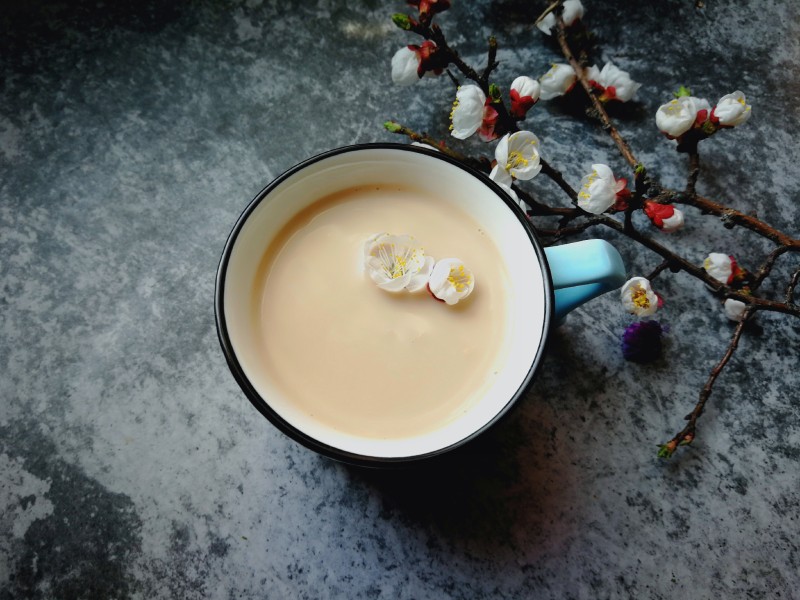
396 262
451 281
638 297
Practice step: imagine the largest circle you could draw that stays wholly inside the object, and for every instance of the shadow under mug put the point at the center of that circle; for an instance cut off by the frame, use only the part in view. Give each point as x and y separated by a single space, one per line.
545 285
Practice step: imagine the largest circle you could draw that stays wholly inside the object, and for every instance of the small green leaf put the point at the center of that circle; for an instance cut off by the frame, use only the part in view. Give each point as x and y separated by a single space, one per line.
682 91
392 127
666 451
494 92
640 170
402 21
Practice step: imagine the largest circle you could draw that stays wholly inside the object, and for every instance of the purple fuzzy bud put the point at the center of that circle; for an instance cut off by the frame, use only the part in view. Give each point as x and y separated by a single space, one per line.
641 341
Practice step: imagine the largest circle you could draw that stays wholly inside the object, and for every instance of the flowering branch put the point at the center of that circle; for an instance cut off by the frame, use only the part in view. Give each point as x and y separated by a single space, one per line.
481 109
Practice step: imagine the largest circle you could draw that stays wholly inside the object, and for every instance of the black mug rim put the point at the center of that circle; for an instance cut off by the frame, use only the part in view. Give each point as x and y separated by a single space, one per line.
298 435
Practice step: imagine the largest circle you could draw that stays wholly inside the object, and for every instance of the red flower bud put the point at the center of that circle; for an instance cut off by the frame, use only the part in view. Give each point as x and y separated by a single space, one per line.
658 212
520 105
430 7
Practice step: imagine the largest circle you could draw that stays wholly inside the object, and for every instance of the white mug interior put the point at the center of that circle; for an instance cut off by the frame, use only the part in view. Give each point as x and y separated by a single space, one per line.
528 298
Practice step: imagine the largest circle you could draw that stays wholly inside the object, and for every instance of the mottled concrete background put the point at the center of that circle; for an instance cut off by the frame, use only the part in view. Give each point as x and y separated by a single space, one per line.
132 134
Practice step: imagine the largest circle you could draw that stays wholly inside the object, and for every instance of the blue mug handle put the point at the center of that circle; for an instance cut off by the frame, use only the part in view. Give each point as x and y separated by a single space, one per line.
582 271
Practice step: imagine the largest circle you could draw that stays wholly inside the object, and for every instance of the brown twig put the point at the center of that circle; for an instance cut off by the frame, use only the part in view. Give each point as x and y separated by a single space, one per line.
789 296
658 270
686 435
694 171
607 124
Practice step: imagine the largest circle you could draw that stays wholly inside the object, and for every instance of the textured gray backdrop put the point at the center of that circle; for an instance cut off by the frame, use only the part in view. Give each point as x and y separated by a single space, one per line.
132 134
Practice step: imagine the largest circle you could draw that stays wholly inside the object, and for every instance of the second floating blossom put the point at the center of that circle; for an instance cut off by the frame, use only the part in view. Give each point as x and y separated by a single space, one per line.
451 281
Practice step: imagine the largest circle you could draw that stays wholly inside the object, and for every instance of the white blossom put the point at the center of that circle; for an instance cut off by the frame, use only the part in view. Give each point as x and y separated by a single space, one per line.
557 81
677 116
638 297
734 309
616 83
467 114
396 262
451 281
719 266
517 156
598 190
405 64
526 86
573 10
732 109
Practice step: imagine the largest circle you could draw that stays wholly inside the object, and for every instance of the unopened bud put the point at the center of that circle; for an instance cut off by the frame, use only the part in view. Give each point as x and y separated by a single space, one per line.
392 127
402 21
682 91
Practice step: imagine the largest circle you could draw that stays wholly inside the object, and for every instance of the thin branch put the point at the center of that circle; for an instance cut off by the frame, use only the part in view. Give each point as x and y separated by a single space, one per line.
624 149
694 171
658 270
687 434
559 180
766 268
791 287
731 217
424 138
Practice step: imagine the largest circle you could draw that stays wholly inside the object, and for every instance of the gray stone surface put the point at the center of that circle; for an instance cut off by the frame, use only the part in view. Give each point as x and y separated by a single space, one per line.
131 465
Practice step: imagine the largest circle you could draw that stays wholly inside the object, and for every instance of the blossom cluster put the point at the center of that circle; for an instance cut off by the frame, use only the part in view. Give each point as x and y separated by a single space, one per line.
686 113
397 263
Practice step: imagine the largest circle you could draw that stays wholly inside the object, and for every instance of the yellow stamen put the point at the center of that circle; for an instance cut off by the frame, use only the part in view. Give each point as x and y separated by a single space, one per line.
640 299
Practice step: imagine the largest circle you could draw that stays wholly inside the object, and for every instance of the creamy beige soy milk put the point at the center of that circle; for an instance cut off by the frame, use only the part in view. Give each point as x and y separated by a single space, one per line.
362 360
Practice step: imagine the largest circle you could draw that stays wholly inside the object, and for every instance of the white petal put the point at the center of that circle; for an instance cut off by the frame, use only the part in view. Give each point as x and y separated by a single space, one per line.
420 280
598 190
547 24
523 160
673 223
501 150
719 266
573 10
500 176
404 67
557 81
467 114
526 86
732 109
734 309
